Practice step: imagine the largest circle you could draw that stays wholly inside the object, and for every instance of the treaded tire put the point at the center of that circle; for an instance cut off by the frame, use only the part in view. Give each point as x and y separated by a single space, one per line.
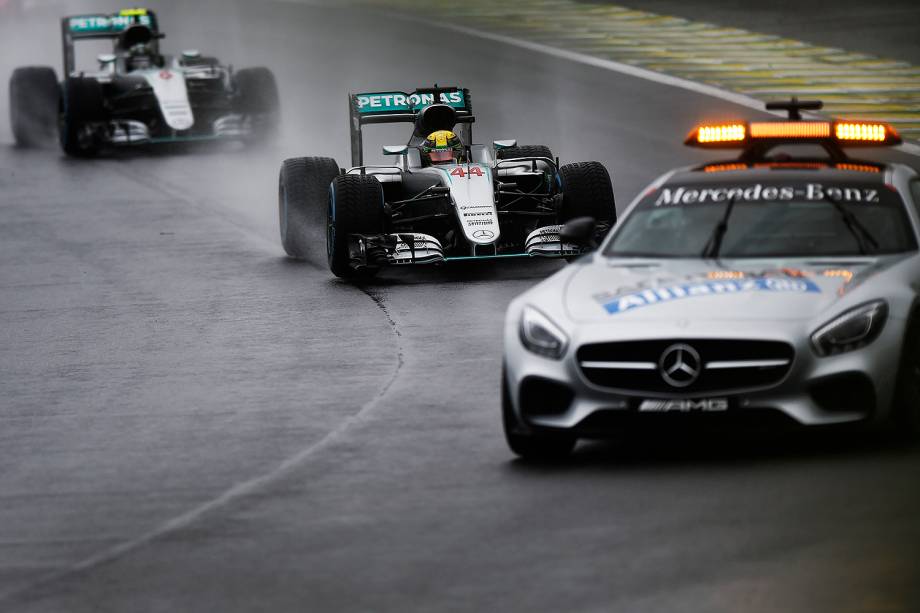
82 102
587 192
303 194
34 101
524 151
536 447
355 207
905 410
258 96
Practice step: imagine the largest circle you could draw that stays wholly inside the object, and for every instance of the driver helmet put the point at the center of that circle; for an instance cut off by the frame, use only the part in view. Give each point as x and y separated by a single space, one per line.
442 147
140 56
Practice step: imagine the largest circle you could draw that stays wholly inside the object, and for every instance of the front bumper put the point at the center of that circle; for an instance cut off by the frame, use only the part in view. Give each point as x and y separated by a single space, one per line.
847 388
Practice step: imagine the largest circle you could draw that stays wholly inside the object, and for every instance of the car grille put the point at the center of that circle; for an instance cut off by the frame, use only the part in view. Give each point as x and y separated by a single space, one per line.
724 366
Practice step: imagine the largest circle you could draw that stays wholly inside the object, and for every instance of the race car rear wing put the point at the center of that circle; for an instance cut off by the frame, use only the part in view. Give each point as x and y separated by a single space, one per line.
402 107
102 26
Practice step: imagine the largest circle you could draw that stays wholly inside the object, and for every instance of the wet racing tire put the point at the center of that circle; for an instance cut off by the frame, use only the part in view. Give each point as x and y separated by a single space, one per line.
355 207
534 446
34 101
82 104
303 194
258 98
905 410
524 151
587 192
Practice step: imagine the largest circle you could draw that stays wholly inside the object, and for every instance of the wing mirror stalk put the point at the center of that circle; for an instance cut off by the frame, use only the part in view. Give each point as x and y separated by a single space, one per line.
580 231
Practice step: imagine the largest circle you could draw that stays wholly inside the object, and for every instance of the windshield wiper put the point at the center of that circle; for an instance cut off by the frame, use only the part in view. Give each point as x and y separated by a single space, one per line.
859 231
714 244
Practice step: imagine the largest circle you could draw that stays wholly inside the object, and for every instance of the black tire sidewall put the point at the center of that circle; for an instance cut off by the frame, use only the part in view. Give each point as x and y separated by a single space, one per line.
355 206
905 409
81 103
587 191
303 188
524 151
34 97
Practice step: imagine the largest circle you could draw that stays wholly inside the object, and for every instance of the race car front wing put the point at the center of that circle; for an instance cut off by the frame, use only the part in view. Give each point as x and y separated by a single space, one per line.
401 249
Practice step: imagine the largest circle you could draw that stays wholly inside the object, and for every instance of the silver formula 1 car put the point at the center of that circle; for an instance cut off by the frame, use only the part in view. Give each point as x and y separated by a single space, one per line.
138 96
775 287
489 201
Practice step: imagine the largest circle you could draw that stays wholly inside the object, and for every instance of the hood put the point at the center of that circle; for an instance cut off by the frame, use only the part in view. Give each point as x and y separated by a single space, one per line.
608 290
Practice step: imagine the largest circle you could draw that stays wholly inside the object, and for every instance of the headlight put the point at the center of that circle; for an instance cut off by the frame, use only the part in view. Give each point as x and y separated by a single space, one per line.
854 329
540 335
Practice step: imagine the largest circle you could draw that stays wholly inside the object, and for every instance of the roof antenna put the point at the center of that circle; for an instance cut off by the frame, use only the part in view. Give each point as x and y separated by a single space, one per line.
795 107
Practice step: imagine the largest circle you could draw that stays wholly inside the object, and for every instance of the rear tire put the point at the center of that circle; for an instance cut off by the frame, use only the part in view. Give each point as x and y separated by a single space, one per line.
355 207
905 409
587 192
524 151
258 97
537 447
303 194
34 101
82 104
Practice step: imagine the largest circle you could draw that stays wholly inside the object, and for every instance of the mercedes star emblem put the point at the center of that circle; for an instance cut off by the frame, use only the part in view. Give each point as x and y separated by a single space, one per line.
680 365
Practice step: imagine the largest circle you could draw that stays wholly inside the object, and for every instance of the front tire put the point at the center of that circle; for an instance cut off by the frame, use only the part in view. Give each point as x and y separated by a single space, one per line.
537 447
82 104
355 207
34 100
587 192
905 410
303 192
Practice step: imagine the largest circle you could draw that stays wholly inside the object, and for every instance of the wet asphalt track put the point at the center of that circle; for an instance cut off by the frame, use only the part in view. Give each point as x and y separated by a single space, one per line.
192 422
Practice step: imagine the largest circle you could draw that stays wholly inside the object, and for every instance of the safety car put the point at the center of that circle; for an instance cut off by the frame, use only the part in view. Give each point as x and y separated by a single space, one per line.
442 199
779 288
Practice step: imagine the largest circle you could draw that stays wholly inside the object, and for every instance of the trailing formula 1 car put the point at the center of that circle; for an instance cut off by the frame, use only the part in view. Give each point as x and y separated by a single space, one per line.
443 199
138 96
781 287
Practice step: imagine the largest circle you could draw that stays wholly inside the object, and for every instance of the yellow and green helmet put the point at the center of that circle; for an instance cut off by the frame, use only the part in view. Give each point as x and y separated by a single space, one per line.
442 146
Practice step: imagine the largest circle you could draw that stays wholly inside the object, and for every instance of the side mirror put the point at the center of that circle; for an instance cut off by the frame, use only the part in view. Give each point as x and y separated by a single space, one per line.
580 232
504 144
106 58
191 54
395 149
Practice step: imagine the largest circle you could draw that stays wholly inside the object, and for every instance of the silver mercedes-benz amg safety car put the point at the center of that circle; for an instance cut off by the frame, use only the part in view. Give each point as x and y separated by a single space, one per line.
781 286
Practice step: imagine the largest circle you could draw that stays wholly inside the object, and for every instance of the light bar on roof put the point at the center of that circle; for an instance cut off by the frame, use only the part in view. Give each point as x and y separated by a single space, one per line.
736 135
848 130
790 129
728 133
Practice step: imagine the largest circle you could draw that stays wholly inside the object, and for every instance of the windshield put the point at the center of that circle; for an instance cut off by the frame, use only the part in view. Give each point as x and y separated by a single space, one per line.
765 221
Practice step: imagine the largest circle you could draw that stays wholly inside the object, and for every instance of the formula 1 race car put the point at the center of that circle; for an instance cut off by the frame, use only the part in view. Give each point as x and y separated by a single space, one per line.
777 288
138 96
443 199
